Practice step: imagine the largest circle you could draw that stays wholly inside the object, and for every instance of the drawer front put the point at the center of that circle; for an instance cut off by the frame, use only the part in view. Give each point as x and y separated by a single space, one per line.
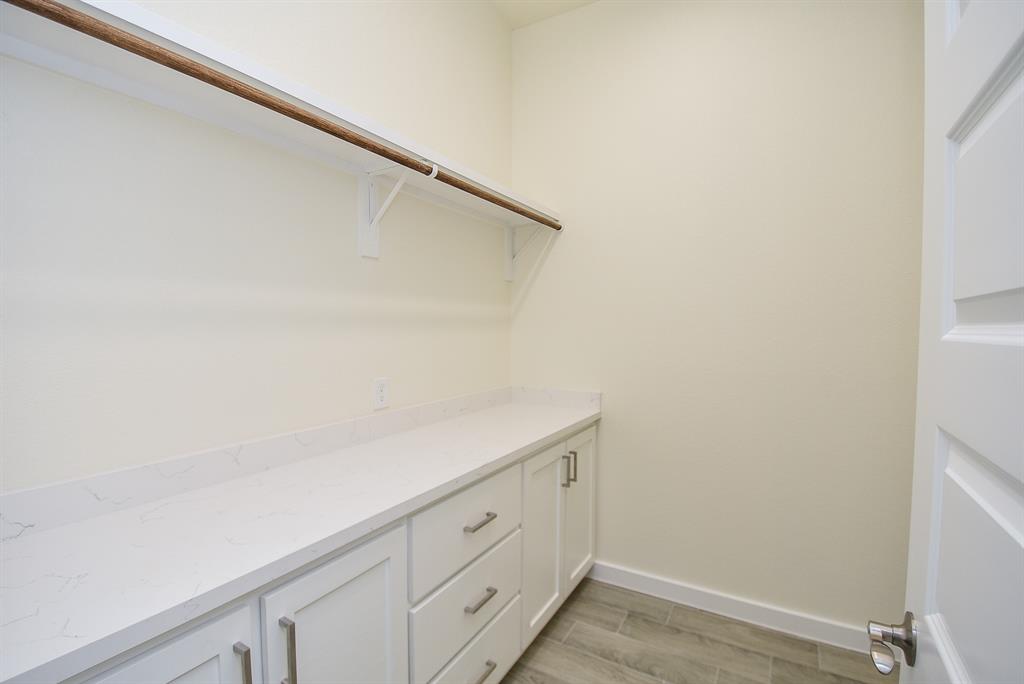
447 620
489 656
443 536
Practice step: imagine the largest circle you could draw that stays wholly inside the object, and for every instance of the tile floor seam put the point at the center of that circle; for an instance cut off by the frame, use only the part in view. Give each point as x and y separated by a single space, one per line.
704 638
664 650
668 618
568 632
625 615
611 662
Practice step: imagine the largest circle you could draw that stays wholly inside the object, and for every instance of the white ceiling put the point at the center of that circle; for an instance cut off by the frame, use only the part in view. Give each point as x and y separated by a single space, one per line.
520 13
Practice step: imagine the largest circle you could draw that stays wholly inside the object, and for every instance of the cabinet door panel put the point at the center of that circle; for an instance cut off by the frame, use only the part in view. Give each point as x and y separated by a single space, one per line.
579 508
349 618
543 478
203 655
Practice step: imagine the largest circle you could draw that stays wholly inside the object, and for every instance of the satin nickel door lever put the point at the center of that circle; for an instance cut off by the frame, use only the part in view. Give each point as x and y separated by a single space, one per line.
903 636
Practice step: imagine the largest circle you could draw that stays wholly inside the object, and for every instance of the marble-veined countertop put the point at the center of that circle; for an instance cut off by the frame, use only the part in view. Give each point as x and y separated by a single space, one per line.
76 595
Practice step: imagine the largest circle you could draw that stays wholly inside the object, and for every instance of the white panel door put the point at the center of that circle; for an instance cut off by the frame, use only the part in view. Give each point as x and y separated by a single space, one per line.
348 616
545 477
579 534
213 653
966 565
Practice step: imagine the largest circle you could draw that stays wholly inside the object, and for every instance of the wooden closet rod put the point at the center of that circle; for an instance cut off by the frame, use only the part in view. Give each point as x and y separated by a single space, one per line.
101 30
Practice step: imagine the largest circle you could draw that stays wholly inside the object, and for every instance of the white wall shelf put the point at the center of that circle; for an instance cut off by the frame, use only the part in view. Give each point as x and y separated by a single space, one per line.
279 112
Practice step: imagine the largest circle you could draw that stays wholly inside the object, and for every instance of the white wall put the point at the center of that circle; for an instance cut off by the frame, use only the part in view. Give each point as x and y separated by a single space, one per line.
740 184
169 287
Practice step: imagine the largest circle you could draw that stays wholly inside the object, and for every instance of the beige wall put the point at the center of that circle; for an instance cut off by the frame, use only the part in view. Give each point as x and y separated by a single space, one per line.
436 71
740 184
169 287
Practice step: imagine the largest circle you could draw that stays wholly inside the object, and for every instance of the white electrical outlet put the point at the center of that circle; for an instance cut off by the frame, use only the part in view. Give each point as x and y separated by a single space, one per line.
380 393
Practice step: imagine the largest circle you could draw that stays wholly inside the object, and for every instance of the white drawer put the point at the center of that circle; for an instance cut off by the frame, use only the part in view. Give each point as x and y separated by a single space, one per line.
442 540
490 653
447 620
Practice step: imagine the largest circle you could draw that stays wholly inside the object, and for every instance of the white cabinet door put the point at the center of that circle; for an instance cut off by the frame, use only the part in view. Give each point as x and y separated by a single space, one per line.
579 508
205 655
347 619
545 477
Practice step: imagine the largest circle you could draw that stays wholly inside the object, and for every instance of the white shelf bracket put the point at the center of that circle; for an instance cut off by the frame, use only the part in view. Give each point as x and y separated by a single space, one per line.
511 253
369 218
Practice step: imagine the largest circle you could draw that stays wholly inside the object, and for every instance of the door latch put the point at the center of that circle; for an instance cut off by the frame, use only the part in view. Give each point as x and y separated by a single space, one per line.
903 636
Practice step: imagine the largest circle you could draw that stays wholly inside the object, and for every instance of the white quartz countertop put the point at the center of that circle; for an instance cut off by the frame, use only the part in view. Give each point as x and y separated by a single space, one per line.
76 595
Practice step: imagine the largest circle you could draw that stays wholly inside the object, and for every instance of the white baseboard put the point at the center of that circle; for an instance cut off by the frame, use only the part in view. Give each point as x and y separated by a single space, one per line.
780 619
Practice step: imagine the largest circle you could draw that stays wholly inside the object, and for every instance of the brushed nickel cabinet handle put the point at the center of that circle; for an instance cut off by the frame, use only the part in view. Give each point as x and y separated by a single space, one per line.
488 517
475 608
246 654
293 674
575 466
491 666
568 464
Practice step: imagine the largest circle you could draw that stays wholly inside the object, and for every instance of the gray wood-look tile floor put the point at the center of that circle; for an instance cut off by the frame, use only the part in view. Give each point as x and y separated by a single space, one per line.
607 634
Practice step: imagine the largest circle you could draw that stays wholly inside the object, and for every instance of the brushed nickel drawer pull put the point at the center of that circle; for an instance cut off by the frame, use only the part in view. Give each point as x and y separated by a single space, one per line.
475 608
575 466
243 650
491 666
488 517
293 675
568 464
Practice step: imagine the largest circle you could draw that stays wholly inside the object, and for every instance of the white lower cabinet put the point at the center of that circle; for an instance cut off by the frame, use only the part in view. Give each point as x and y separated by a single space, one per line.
489 585
217 652
545 477
559 486
344 622
579 537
